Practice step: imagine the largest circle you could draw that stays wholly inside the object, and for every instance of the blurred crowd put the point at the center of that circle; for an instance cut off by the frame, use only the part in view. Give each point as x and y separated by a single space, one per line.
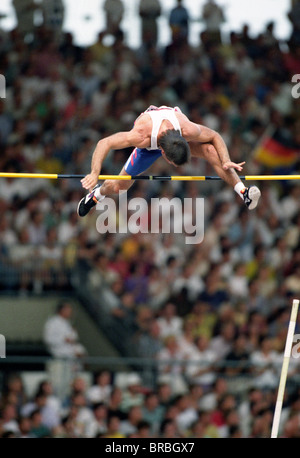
106 408
227 298
109 408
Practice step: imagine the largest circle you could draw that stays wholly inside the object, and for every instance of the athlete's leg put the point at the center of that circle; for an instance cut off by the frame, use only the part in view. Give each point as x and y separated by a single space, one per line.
110 187
208 152
139 161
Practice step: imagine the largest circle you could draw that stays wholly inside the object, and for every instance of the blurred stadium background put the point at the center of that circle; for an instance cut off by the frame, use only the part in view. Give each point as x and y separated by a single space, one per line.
142 335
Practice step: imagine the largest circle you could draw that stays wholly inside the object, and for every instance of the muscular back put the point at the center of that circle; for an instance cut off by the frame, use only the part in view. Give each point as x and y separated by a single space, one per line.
143 128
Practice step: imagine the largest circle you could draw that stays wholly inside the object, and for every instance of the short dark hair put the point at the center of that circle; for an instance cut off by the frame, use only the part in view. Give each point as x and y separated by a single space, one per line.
176 148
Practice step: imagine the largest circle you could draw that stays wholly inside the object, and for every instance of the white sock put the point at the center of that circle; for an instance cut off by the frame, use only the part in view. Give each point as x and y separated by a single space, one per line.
98 194
239 187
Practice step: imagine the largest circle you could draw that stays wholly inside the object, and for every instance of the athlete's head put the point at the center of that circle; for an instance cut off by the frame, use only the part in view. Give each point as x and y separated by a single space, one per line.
175 147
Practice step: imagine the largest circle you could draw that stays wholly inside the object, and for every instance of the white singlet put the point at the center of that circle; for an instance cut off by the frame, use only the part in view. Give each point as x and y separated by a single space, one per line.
158 115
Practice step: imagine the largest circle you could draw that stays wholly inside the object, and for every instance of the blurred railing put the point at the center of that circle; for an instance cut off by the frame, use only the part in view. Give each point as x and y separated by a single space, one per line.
240 377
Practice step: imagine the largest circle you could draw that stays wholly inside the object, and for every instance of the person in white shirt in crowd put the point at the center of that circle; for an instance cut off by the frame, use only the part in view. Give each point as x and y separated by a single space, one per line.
187 414
84 415
130 424
37 228
61 338
169 322
11 188
189 281
222 343
46 388
69 229
171 364
100 391
186 340
266 363
50 415
239 282
98 424
290 203
213 17
9 418
54 15
202 372
133 393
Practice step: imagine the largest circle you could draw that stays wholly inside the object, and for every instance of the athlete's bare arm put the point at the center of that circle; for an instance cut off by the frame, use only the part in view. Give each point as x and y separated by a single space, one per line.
202 134
137 137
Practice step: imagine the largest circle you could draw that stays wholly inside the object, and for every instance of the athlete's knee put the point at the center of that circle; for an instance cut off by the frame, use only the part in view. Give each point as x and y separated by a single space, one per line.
121 186
115 186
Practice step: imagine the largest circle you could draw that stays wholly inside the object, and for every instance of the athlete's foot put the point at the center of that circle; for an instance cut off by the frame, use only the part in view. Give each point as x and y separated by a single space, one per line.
87 202
251 197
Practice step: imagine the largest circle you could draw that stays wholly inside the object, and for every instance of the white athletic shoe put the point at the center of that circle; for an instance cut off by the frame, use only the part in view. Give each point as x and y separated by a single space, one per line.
251 197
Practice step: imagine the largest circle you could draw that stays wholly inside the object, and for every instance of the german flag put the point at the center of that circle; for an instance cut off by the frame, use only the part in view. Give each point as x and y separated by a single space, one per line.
276 151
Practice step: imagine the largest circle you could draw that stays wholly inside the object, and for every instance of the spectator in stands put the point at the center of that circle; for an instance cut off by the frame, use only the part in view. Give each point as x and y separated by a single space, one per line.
213 18
143 430
222 343
38 429
37 229
53 15
201 369
114 11
158 290
165 395
9 418
152 412
113 428
149 11
130 424
51 255
101 390
115 403
169 430
186 340
187 414
49 415
61 338
24 428
179 22
169 322
133 394
265 365
25 10
15 387
209 400
149 342
83 415
53 401
97 425
67 427
238 358
169 370
293 16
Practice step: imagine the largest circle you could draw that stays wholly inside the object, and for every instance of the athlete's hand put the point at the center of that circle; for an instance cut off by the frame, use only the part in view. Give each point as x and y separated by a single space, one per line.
232 165
89 181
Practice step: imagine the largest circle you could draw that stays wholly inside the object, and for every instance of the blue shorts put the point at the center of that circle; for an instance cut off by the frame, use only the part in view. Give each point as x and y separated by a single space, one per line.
140 160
